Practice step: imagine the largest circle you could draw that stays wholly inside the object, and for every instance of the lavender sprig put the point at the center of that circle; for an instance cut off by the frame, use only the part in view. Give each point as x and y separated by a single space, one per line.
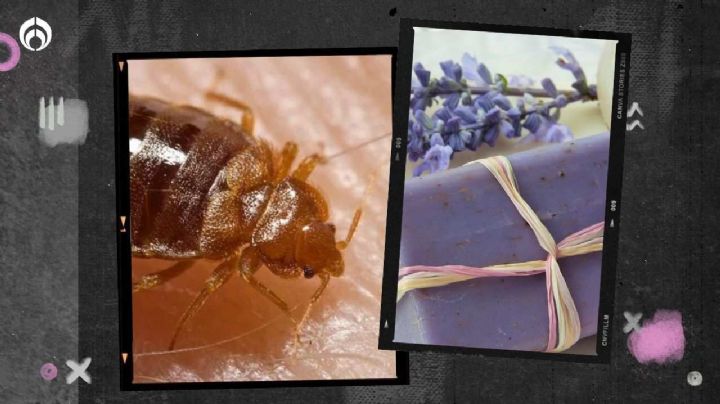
471 115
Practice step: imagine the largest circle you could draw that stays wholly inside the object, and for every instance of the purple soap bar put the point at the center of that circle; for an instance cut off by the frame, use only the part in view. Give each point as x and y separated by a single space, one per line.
462 216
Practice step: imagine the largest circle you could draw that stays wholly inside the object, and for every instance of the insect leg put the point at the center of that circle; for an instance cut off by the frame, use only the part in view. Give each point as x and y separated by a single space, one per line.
158 278
324 279
287 155
342 244
250 263
220 275
306 167
248 118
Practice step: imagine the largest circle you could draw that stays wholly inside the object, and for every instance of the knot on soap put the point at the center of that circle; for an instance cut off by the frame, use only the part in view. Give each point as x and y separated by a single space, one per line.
564 321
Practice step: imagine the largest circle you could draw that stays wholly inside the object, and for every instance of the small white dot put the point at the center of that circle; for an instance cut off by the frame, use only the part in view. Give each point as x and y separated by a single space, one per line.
694 378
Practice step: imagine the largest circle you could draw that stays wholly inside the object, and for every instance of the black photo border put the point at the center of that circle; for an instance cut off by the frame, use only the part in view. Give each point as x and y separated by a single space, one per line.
122 164
397 182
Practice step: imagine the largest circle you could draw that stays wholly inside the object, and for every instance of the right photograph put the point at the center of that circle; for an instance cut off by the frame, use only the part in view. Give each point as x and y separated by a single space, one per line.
505 202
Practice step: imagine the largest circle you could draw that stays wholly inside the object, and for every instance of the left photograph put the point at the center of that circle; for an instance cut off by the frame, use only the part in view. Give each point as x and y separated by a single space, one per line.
257 204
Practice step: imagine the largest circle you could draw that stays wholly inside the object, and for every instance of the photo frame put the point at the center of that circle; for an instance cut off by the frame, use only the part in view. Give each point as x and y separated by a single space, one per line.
445 317
123 65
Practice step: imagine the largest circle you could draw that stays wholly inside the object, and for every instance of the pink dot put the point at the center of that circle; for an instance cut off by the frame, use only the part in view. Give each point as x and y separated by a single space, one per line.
660 340
14 52
48 371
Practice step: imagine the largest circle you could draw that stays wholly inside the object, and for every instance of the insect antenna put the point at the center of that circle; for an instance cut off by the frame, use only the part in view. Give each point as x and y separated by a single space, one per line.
358 146
372 178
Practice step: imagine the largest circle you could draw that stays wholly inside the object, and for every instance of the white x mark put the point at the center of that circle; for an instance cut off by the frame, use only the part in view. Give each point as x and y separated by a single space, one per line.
78 370
633 322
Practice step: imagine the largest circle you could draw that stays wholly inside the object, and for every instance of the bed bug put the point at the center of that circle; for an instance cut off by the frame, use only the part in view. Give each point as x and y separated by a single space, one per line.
204 187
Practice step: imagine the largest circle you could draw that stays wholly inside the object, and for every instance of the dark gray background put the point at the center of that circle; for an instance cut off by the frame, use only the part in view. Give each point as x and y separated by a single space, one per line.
58 205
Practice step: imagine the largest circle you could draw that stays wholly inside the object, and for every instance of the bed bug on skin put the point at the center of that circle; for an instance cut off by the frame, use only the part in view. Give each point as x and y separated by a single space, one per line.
203 187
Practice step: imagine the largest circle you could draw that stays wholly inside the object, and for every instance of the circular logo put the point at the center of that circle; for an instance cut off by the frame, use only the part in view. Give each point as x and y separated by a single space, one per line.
35 28
48 371
14 58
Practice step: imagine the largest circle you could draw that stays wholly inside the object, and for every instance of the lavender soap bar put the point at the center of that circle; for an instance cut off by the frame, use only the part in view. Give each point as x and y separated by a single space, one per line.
463 217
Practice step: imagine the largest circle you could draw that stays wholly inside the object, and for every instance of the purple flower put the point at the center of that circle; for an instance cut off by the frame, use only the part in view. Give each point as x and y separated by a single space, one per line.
437 158
469 68
420 93
448 125
484 73
492 121
568 62
455 138
485 101
422 74
520 81
502 102
475 71
559 133
545 130
471 117
451 91
512 114
452 70
418 132
415 147
549 87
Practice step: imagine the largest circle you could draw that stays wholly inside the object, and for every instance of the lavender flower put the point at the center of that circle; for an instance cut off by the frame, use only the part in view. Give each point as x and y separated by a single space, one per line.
421 94
568 62
416 142
452 70
472 131
469 68
543 129
549 87
450 85
475 71
520 81
513 116
476 109
449 125
437 157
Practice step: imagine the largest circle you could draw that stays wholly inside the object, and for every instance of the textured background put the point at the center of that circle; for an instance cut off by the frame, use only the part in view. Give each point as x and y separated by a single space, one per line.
668 247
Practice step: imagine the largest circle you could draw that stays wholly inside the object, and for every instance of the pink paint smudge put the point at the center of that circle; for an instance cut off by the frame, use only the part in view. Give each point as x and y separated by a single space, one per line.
660 340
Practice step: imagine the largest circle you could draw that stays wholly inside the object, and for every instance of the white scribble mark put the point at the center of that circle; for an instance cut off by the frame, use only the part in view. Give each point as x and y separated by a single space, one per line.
635 108
633 322
55 129
632 125
78 370
61 112
41 113
51 114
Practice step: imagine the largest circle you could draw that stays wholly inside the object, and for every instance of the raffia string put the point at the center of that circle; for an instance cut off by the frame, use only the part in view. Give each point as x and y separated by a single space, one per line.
564 321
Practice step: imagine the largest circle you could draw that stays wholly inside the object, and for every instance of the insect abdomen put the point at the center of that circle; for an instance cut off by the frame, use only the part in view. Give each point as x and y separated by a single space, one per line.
177 153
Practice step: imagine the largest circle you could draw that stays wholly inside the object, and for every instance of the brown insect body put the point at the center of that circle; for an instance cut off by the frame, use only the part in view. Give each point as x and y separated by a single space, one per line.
205 187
